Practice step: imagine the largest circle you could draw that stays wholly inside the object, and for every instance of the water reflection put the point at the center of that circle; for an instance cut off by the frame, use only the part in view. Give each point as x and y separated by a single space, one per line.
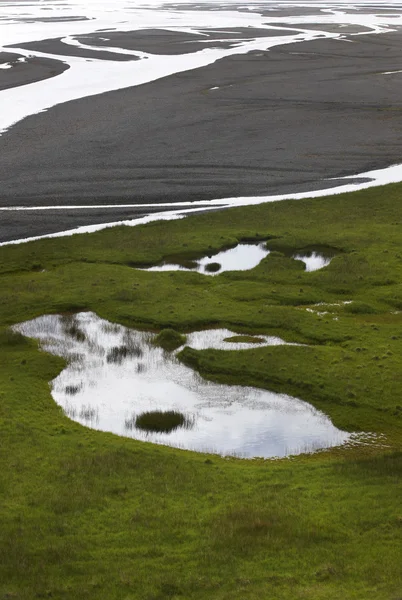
229 420
314 259
217 339
247 256
240 258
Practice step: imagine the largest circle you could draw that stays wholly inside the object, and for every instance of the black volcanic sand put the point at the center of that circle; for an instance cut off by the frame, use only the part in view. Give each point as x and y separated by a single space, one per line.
31 70
56 46
281 121
162 41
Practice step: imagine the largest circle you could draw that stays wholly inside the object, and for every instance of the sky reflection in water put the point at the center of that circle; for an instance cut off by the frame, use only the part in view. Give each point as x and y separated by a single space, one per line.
105 389
244 257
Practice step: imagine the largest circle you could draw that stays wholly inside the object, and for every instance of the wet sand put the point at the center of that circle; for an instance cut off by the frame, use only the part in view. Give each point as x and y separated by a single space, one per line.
278 122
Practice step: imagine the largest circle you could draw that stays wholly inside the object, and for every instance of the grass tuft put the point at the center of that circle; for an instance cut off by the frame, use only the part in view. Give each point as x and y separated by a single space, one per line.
212 267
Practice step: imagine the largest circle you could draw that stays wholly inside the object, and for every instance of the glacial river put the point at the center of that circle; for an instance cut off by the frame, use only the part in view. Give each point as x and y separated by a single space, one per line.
90 38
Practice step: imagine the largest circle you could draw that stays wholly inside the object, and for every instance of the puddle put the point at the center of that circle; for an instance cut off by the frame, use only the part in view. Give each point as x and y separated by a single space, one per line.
315 257
241 258
115 374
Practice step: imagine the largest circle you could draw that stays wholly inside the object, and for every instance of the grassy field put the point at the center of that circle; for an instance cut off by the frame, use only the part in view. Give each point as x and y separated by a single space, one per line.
89 515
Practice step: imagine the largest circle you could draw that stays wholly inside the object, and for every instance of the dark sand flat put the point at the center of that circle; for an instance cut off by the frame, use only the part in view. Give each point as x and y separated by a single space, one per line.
162 41
31 70
279 122
8 57
56 46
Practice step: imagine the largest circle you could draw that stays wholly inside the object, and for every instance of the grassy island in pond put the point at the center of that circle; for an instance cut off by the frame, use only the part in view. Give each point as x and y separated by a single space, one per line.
161 421
90 515
212 267
169 339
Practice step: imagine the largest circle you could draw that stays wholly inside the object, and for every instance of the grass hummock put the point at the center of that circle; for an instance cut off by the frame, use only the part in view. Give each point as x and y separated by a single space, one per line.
158 421
169 339
212 267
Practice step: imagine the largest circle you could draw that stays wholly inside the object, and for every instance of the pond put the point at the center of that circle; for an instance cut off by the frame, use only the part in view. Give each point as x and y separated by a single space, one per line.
114 375
244 257
316 257
241 258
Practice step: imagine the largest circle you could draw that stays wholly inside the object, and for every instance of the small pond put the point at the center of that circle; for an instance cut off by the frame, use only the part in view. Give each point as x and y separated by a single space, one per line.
315 258
115 375
244 257
241 258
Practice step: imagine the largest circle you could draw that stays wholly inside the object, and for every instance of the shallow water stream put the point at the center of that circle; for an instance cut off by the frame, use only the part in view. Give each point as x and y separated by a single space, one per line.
114 374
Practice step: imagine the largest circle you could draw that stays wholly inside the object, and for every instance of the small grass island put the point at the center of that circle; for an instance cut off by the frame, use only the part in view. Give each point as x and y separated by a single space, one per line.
161 421
169 339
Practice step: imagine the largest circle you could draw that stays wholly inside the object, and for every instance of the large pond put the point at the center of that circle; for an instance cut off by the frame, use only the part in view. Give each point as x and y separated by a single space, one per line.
115 374
244 257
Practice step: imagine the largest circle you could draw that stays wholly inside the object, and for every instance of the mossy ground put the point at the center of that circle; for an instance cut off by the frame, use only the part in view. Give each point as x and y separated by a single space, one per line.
86 514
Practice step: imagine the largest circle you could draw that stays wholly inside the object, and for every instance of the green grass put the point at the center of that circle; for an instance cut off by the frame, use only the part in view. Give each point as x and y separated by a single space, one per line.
169 339
86 514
